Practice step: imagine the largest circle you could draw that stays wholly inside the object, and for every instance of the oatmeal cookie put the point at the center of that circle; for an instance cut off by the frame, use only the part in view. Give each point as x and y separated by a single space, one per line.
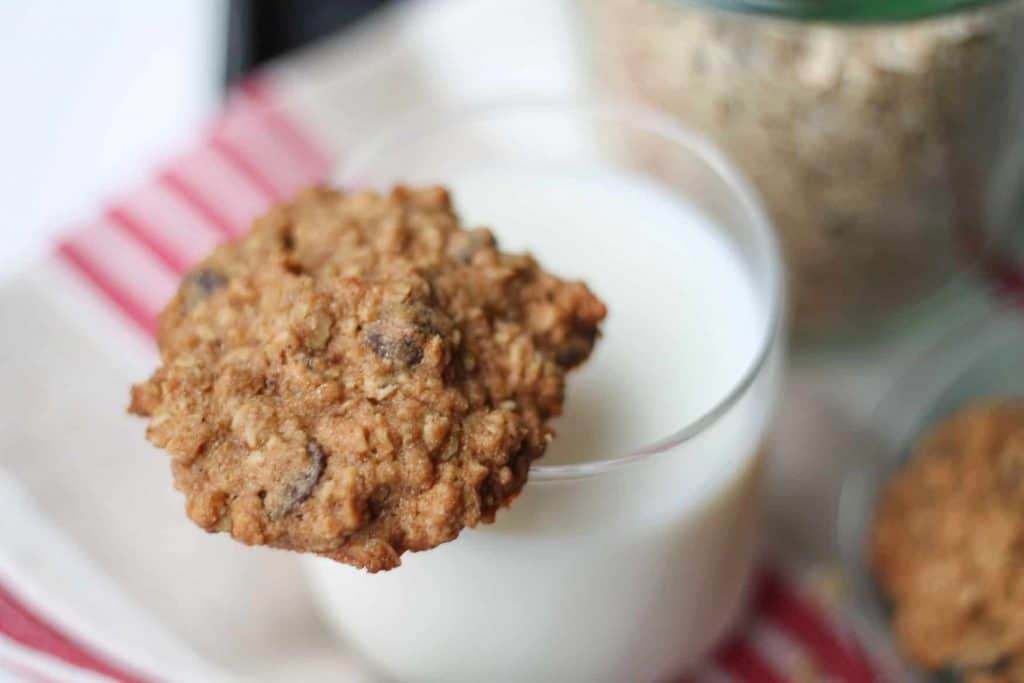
948 544
360 376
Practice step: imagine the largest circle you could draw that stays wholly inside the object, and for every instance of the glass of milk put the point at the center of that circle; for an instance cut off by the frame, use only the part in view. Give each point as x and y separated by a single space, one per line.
629 553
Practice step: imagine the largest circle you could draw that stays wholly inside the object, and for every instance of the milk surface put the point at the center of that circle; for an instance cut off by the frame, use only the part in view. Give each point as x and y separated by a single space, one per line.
683 321
630 575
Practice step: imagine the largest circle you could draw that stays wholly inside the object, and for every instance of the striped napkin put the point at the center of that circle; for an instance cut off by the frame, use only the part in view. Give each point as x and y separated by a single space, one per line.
254 156
271 140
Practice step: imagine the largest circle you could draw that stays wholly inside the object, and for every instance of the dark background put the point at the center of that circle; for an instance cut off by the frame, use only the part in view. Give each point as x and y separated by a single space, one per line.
259 30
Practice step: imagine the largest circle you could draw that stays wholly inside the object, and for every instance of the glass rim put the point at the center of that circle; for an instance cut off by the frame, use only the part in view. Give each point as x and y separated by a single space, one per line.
840 12
426 120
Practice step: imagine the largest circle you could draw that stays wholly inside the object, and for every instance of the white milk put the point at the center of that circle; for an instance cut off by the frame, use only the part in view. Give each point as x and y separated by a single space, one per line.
629 575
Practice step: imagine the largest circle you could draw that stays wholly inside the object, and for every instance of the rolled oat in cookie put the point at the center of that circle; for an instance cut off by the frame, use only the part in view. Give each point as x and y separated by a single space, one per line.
360 376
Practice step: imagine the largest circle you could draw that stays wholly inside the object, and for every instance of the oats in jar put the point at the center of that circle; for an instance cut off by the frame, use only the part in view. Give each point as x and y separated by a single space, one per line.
881 150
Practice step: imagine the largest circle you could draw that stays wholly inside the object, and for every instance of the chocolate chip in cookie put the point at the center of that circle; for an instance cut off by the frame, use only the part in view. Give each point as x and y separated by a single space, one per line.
300 487
200 284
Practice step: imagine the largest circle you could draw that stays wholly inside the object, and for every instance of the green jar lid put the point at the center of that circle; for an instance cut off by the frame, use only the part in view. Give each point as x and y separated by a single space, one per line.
848 11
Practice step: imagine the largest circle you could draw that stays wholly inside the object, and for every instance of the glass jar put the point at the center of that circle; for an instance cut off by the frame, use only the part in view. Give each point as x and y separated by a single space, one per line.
886 138
980 360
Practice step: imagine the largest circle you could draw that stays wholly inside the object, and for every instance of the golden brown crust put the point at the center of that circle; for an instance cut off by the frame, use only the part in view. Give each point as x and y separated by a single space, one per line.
948 544
359 376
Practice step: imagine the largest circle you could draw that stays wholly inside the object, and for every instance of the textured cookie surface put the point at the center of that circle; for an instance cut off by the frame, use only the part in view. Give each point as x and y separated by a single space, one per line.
359 376
948 545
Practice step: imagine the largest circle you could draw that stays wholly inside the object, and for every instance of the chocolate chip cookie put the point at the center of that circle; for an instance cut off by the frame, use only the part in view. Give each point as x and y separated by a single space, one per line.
948 545
360 376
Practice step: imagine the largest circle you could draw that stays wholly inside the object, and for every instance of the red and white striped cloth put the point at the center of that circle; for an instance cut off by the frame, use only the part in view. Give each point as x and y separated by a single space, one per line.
255 155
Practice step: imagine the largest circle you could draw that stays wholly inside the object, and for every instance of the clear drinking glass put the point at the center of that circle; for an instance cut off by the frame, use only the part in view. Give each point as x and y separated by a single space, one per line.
628 560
